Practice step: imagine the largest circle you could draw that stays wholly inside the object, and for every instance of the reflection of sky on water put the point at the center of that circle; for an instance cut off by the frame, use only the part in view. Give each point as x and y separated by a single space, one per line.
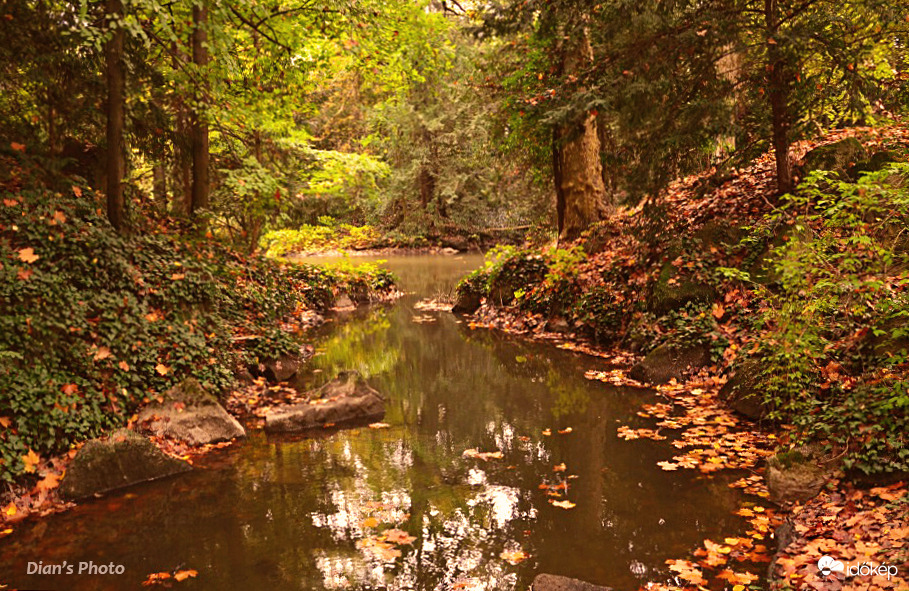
278 513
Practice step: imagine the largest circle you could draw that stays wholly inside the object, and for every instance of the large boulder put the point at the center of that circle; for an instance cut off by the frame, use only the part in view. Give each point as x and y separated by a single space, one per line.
840 157
283 368
190 414
670 361
794 476
673 292
742 392
123 459
345 399
544 582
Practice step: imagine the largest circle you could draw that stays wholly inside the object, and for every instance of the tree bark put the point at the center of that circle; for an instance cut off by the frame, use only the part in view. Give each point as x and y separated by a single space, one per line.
200 146
778 95
578 172
116 161
159 186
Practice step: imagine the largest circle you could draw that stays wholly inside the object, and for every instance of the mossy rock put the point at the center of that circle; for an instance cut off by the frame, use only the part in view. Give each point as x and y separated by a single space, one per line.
669 296
794 476
668 362
514 274
191 393
123 459
841 157
743 392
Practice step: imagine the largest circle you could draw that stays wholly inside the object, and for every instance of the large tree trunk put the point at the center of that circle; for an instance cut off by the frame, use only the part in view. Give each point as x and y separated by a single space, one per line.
116 162
159 186
778 95
577 170
200 149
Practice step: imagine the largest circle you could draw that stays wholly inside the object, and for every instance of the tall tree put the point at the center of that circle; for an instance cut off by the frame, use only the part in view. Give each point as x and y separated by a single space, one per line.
199 132
577 170
116 160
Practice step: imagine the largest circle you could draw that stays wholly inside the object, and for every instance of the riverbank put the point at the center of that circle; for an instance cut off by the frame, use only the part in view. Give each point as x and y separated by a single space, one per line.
770 324
95 325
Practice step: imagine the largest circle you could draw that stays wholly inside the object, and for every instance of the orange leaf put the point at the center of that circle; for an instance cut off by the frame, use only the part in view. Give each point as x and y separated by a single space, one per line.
513 558
31 460
5 422
123 365
77 191
562 504
59 217
369 522
162 369
70 389
16 146
27 255
102 353
49 482
182 575
10 510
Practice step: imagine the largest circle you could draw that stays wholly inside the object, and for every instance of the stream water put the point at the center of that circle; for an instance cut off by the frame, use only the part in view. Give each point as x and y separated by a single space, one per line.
275 513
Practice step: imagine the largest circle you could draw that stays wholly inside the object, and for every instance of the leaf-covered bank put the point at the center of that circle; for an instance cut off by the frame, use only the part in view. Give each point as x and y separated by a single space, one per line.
93 323
791 311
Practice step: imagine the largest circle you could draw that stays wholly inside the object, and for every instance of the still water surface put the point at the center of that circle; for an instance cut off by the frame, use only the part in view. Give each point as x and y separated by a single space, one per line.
275 513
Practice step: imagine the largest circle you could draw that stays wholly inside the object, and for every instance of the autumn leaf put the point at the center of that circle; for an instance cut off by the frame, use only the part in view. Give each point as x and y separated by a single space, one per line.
162 369
718 311
30 460
513 558
155 579
563 504
70 389
77 191
177 276
182 575
398 536
59 217
102 353
369 522
123 365
10 510
565 431
17 147
27 255
49 482
379 425
5 422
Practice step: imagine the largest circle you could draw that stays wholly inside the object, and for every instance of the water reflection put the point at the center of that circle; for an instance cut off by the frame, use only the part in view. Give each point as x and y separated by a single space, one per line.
289 513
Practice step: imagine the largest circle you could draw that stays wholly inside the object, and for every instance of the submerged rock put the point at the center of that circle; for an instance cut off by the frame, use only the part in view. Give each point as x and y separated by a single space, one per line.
123 459
670 361
190 414
345 399
544 582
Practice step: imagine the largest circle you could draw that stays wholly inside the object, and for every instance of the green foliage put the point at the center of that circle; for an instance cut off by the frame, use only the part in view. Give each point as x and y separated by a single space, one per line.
93 323
833 334
320 238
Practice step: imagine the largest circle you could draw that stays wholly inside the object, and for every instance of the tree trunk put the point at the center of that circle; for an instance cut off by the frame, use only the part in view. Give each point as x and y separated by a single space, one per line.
200 148
159 186
778 95
116 163
578 172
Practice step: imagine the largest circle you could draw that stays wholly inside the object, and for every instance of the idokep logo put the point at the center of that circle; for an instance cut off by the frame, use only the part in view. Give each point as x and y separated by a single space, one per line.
828 565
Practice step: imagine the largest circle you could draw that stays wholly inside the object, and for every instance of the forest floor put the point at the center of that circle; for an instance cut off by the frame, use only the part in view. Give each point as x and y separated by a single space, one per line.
852 524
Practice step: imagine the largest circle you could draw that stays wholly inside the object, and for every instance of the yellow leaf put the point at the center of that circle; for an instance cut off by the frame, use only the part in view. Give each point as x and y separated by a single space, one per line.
562 504
370 522
27 255
5 422
31 460
10 510
162 369
102 353
379 425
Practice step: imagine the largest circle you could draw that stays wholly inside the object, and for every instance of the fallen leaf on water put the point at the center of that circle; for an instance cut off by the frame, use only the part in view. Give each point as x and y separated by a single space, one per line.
182 575
482 455
513 558
559 467
369 522
155 579
547 432
379 425
562 504
565 431
397 536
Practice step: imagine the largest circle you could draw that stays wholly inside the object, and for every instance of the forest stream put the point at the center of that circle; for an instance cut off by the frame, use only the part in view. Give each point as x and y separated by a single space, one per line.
273 513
